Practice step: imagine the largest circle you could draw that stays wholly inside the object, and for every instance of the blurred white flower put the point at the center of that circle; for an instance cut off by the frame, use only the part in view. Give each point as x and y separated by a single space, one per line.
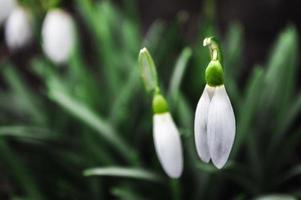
6 7
167 144
58 35
18 28
214 126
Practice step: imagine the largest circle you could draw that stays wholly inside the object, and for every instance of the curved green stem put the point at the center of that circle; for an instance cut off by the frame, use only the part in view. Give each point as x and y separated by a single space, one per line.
214 48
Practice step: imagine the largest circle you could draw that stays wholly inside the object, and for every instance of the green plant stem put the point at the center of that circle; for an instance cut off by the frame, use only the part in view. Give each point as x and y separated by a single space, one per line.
175 189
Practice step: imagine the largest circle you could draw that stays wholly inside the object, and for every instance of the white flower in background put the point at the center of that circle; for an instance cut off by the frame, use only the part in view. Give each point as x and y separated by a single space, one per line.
58 35
18 29
214 123
167 139
6 7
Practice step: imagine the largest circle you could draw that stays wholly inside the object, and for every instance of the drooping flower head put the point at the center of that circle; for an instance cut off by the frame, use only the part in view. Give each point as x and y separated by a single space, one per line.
18 28
214 123
6 7
166 138
165 133
58 35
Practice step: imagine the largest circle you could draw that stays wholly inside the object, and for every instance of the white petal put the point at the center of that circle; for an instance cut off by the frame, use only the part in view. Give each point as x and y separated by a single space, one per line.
220 127
168 145
6 7
18 29
200 125
58 35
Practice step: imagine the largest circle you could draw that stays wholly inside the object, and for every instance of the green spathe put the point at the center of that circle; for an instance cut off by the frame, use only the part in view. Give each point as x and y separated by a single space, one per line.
214 73
147 70
159 104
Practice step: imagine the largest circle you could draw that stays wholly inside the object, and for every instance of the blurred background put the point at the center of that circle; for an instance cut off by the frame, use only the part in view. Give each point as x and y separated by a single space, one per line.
79 126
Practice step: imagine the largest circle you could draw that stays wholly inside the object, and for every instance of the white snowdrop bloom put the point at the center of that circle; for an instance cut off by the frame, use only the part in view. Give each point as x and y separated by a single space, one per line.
214 126
214 123
6 7
167 139
18 29
168 145
58 35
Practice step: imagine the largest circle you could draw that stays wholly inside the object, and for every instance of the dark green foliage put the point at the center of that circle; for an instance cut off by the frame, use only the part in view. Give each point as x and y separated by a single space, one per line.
85 131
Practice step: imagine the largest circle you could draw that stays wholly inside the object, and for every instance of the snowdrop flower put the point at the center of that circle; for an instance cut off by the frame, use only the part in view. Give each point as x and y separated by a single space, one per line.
166 138
58 35
165 133
214 123
6 7
18 29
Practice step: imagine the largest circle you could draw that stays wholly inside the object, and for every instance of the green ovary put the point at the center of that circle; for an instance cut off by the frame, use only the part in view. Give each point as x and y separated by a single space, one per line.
214 74
159 104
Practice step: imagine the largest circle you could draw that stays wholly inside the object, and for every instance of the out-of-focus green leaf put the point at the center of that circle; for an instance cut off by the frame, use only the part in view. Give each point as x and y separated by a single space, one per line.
83 113
232 60
23 94
247 109
185 114
100 17
178 73
22 174
290 117
152 38
276 197
123 172
120 106
123 193
281 73
131 37
27 132
232 51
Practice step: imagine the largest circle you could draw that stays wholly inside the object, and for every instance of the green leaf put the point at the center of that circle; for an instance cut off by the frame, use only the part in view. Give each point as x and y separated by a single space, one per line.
247 109
232 51
23 94
124 193
120 106
282 126
134 173
154 34
27 132
83 113
178 73
19 171
184 113
281 73
276 197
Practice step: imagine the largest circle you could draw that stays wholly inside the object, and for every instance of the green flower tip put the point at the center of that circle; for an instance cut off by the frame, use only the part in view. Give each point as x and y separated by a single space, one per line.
214 74
159 104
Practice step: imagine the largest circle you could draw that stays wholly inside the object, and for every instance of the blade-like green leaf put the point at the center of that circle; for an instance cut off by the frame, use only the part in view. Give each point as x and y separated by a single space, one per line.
27 132
83 113
178 73
20 172
123 172
247 109
276 197
23 93
152 38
